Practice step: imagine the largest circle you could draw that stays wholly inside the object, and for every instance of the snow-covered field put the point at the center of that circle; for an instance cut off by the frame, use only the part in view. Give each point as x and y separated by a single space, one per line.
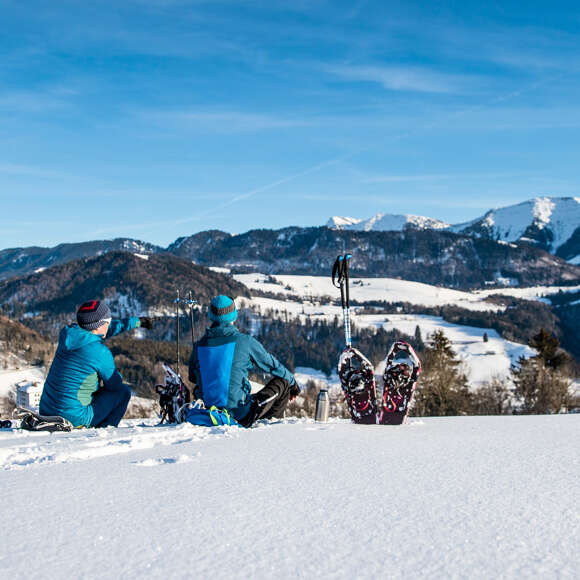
483 360
469 497
9 377
366 290
393 290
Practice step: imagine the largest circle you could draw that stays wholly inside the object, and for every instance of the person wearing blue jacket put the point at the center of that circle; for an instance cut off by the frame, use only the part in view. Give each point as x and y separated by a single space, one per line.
81 362
219 365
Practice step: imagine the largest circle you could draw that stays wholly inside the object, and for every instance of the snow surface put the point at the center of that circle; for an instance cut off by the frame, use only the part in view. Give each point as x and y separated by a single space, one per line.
393 290
461 497
384 222
219 269
368 290
539 293
484 361
339 223
8 378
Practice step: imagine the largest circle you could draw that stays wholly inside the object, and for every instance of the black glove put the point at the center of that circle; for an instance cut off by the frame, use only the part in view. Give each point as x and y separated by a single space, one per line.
146 322
294 390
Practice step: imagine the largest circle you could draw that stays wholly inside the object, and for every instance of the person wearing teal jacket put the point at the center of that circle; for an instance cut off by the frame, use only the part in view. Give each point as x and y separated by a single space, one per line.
82 360
219 365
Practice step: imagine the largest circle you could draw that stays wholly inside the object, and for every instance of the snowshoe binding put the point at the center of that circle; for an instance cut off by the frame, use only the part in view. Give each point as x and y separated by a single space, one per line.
174 397
31 421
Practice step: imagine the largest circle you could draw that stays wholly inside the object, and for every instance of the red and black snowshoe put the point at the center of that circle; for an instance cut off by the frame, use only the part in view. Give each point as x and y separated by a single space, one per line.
402 368
357 378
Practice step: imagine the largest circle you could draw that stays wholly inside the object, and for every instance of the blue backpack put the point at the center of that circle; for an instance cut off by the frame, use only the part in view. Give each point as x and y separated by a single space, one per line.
211 417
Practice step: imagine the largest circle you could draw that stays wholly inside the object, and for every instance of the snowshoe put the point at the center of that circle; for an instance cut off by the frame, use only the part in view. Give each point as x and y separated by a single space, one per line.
357 378
402 368
174 397
31 421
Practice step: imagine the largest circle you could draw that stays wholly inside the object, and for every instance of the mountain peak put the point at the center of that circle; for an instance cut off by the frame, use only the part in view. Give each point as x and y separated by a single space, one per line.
386 222
551 223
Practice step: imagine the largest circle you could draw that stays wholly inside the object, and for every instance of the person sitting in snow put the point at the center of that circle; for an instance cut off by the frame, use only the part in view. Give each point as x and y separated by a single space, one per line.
82 360
219 365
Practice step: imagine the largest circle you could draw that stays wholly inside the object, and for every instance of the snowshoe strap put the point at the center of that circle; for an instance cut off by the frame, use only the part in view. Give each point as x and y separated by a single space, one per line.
213 409
30 421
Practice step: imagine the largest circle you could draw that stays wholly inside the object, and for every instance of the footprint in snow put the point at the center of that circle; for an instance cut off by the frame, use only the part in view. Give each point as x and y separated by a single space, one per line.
163 461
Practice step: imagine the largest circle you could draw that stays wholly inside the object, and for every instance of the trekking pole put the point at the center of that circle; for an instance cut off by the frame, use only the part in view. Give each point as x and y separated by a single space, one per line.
191 303
346 280
338 280
177 325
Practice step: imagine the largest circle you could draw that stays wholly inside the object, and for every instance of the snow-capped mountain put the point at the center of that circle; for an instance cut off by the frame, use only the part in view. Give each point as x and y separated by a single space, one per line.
387 222
551 223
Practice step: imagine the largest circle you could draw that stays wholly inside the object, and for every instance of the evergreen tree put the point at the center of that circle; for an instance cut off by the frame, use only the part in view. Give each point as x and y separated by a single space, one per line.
443 386
419 344
542 382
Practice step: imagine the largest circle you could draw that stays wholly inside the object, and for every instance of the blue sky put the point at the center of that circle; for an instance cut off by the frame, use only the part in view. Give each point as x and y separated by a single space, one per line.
154 119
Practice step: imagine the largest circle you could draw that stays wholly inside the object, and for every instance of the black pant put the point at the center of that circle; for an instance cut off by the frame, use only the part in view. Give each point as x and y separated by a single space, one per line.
269 402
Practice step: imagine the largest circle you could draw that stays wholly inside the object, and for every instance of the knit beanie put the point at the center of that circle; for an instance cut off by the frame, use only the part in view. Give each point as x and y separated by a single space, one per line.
92 314
222 309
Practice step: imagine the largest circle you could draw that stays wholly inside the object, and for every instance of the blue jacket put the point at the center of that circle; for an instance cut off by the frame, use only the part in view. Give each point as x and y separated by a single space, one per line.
81 359
219 366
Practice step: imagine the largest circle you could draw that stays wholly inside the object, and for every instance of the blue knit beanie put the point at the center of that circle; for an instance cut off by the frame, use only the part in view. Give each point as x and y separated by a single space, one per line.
222 309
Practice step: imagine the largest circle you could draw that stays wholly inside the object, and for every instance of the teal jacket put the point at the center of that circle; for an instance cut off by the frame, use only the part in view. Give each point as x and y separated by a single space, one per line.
81 359
219 366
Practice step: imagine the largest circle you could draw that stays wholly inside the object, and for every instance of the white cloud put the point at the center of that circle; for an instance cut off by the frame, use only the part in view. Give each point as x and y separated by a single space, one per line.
223 121
405 78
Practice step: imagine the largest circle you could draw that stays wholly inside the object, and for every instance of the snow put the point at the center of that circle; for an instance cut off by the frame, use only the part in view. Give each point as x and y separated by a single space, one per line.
560 214
508 224
386 223
539 293
483 361
305 374
142 256
126 305
8 378
339 223
477 497
220 270
367 290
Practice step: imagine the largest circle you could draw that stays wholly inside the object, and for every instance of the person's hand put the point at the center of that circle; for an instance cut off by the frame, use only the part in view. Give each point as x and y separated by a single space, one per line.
146 322
294 390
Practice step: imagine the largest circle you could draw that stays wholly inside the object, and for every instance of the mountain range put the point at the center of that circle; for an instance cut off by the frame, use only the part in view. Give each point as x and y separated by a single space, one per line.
549 223
133 284
504 247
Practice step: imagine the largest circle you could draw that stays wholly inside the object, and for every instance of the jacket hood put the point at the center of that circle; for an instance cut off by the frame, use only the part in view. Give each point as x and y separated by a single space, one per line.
73 337
217 329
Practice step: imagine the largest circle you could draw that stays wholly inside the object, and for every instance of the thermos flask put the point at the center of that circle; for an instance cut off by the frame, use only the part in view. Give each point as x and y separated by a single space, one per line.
322 406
